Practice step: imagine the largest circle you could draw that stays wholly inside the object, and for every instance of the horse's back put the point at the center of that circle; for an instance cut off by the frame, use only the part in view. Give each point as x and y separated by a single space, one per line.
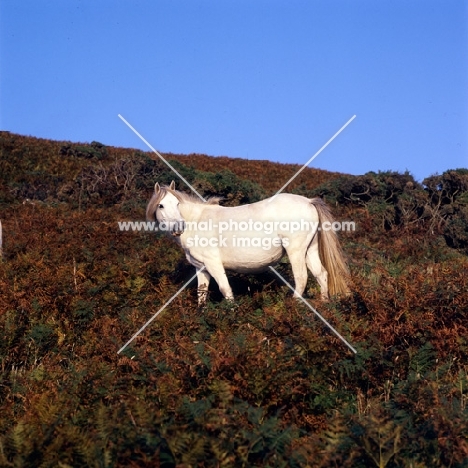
281 207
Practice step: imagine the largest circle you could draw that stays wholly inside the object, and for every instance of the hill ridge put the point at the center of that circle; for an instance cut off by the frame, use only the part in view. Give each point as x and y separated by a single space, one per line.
262 171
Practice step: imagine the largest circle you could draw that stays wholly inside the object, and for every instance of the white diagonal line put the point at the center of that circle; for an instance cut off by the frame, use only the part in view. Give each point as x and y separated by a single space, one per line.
313 157
160 156
159 311
313 310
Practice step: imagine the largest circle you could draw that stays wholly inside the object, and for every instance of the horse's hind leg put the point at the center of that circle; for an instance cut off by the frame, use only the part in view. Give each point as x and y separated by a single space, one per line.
299 270
315 266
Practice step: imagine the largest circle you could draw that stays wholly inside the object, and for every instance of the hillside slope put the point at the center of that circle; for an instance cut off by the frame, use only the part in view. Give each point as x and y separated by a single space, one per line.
38 168
263 383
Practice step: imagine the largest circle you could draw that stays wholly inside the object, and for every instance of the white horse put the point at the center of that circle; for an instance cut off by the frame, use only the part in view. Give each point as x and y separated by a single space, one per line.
250 238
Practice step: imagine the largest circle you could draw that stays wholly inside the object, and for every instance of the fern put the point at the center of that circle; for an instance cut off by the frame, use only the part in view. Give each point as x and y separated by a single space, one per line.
337 440
380 438
223 391
421 361
195 411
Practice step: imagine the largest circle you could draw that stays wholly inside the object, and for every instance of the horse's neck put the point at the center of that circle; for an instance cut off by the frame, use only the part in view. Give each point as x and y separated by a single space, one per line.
191 211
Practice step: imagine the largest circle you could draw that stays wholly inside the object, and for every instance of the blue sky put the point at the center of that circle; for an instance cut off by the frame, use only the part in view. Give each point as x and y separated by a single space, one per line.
255 79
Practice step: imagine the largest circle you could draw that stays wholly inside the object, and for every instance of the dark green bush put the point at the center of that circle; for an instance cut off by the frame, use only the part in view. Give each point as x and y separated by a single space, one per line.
235 191
449 196
456 229
95 150
43 335
446 188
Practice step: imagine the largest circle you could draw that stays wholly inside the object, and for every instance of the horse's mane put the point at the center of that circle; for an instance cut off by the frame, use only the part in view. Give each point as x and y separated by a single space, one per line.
189 198
181 196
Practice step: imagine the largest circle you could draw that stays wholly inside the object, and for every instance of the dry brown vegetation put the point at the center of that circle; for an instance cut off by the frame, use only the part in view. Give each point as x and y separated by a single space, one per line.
260 384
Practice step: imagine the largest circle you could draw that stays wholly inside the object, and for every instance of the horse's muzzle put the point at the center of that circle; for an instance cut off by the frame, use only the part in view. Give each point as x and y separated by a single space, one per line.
177 228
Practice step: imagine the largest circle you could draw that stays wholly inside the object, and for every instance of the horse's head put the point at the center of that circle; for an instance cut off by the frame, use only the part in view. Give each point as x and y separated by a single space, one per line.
164 207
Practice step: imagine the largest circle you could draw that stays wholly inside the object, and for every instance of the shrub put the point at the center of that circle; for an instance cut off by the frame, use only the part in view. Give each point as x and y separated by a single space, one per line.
391 198
95 150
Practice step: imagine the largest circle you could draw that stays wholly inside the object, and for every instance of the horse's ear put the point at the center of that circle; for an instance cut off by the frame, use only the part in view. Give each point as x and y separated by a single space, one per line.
172 186
157 188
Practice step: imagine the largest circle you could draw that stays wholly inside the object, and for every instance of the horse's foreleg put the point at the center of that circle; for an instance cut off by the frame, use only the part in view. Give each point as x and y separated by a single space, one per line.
216 270
203 278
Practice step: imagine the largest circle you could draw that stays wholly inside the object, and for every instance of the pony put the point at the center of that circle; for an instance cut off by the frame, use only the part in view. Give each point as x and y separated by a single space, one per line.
253 237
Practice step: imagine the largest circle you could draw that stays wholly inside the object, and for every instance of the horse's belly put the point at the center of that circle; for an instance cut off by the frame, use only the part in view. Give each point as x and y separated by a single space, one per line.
252 259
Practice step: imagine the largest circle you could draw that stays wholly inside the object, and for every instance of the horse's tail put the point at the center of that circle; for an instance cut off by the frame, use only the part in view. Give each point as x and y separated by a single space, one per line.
330 251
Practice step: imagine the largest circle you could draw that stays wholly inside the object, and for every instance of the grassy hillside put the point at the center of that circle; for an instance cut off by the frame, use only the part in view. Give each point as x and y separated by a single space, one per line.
260 384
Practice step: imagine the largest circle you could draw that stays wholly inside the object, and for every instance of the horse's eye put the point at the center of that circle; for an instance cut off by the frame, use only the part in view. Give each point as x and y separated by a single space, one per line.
160 207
